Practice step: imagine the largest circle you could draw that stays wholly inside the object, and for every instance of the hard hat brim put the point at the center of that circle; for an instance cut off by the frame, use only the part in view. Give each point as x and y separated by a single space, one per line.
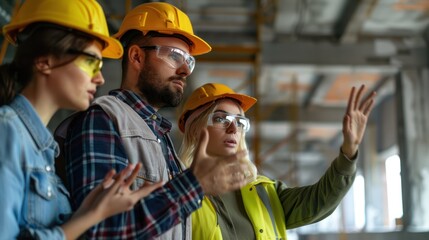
112 47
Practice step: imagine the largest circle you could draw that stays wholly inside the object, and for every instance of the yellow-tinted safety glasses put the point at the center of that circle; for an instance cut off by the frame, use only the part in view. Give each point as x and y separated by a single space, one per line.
87 62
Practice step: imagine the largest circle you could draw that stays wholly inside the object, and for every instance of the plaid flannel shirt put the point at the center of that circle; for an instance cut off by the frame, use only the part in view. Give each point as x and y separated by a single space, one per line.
93 147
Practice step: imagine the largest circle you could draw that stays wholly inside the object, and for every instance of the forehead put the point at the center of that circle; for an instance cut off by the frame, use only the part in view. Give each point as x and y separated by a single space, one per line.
228 105
171 42
95 48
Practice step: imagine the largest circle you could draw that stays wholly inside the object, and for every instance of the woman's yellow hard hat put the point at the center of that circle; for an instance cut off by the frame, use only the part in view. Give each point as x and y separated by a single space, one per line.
86 16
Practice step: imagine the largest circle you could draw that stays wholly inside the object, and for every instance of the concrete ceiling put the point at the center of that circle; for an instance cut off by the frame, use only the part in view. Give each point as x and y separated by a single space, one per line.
299 58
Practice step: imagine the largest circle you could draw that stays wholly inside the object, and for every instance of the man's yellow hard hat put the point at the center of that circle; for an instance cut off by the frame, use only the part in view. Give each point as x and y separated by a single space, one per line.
163 18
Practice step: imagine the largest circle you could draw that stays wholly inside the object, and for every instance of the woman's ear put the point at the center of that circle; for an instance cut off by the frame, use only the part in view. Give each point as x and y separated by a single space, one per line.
43 64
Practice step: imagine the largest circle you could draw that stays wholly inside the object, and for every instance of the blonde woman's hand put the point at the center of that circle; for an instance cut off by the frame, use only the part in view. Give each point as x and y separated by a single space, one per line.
355 120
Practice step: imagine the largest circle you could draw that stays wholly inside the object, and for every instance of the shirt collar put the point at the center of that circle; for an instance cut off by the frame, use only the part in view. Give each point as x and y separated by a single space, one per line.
38 131
143 109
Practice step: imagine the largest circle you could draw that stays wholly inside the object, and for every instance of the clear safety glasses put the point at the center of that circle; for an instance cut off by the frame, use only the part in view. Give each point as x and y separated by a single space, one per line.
87 62
223 120
174 57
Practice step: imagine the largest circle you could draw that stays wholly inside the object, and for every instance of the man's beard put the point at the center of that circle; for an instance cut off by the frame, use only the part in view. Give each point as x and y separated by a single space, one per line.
157 95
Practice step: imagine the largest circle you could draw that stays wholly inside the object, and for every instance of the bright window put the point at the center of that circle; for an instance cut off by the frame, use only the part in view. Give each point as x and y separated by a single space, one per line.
394 189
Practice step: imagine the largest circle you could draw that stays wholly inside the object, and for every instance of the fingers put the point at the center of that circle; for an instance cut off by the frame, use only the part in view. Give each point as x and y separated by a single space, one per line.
133 175
146 189
359 94
365 106
119 185
350 106
202 145
108 179
368 104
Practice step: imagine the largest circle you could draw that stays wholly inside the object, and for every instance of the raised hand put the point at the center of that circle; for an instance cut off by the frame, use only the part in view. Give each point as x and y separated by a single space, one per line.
218 175
355 120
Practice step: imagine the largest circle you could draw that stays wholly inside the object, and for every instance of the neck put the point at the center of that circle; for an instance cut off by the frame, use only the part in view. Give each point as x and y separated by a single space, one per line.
41 101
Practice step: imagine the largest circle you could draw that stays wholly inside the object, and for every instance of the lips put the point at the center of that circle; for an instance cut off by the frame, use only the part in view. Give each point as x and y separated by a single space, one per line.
91 94
179 83
230 142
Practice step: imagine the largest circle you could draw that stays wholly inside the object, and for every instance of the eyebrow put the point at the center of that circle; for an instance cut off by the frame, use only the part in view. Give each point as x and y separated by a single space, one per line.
223 111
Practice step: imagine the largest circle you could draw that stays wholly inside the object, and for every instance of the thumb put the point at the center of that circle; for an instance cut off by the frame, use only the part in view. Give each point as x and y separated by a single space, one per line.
202 144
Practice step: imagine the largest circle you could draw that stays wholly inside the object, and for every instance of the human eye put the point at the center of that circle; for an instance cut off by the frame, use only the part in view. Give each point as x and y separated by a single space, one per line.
219 119
243 123
176 56
91 61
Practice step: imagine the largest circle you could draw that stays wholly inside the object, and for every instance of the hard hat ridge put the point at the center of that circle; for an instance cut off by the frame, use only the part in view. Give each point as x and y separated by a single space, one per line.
163 18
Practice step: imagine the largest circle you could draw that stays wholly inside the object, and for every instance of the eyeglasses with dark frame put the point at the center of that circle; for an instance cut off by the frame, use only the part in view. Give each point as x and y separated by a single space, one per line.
174 57
90 63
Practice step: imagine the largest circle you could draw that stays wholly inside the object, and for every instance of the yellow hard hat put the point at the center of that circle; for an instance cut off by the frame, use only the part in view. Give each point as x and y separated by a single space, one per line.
211 92
163 18
83 15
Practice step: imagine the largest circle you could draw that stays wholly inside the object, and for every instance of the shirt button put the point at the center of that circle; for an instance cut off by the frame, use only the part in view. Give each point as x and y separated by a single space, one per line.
48 168
49 192
159 140
154 117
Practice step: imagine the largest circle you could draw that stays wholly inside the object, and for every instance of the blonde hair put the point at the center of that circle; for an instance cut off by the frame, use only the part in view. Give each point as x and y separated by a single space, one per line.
192 137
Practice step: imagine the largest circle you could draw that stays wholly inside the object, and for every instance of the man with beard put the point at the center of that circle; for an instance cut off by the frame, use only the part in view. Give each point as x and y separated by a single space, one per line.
125 127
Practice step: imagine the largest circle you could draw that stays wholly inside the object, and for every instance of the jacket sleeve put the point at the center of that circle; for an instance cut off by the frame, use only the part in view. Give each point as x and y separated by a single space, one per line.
92 147
310 204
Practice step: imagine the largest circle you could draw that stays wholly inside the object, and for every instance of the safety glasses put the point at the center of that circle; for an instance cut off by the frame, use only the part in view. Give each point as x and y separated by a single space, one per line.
174 57
223 120
87 62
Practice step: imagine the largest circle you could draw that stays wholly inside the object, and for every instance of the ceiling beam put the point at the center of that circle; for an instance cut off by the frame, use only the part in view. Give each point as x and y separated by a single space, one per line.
325 54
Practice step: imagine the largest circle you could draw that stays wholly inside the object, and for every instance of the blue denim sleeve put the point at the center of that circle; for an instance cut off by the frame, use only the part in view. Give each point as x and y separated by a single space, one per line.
12 180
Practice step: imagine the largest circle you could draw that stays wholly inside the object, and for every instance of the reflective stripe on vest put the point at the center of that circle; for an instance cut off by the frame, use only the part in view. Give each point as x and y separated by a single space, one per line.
265 213
264 209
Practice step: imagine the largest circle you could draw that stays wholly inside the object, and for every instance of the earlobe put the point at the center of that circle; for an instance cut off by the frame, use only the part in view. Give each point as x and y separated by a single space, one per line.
43 65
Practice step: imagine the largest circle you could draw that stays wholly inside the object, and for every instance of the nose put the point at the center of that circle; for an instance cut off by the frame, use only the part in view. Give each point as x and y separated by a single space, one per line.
98 79
183 70
232 128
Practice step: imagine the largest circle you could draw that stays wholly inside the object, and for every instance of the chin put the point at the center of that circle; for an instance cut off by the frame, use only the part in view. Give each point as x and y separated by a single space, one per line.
81 106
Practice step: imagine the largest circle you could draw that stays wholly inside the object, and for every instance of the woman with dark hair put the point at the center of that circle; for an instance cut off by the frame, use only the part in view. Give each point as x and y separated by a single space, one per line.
57 63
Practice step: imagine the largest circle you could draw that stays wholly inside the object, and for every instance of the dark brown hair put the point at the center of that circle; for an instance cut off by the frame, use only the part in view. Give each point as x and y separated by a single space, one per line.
37 40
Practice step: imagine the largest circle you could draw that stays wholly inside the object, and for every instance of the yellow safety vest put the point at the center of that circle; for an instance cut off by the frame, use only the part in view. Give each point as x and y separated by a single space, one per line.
262 206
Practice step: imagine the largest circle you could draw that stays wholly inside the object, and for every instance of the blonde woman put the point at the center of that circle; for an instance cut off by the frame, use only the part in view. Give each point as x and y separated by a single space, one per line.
264 208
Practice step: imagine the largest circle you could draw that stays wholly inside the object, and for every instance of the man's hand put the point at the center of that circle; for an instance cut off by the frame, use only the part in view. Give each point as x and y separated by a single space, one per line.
218 175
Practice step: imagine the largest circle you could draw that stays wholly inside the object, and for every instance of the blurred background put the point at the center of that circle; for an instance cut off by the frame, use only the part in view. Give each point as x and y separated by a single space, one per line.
300 58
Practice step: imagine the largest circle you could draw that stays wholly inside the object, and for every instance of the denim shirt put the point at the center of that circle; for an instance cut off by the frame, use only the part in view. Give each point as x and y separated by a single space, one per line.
34 202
